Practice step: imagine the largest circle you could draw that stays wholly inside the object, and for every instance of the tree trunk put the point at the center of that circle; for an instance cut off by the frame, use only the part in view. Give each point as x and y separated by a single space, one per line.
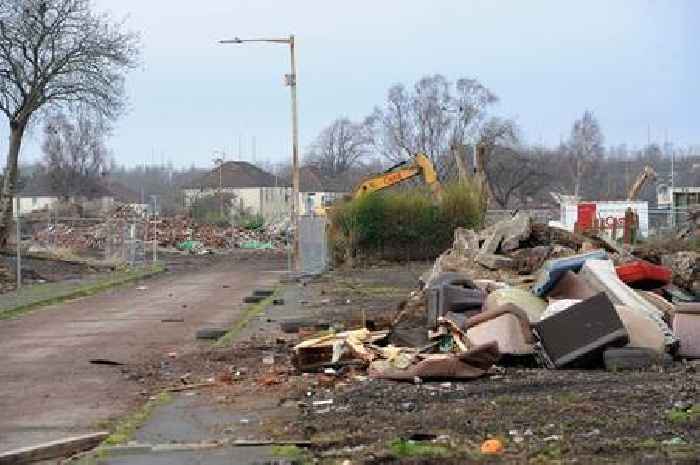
10 180
458 151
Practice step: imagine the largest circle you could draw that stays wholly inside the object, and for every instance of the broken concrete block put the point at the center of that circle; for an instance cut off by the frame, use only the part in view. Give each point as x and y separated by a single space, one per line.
686 269
634 358
529 260
447 263
494 262
466 242
601 275
493 242
516 230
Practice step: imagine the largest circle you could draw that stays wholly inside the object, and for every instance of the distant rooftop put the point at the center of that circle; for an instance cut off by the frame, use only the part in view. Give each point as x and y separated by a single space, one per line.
237 174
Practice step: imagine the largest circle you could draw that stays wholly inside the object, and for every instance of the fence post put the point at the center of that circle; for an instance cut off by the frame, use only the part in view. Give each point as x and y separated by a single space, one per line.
18 241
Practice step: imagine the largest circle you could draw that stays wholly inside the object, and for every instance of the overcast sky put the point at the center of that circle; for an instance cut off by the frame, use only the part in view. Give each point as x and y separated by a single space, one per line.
634 63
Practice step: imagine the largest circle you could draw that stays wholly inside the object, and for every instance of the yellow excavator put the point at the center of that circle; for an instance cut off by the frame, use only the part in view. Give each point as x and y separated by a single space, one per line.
647 174
419 165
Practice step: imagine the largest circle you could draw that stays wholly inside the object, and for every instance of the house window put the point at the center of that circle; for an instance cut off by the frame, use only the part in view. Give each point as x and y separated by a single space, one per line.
35 201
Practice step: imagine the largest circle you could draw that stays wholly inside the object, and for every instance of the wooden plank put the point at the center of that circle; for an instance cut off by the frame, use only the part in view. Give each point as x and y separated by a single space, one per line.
54 449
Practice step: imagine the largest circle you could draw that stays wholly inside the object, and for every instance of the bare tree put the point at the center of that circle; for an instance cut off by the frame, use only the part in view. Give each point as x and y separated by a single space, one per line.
56 53
74 152
339 147
584 148
515 176
432 119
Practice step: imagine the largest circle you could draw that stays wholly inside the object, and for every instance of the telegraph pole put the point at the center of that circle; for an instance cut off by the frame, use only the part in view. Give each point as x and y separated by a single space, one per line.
291 81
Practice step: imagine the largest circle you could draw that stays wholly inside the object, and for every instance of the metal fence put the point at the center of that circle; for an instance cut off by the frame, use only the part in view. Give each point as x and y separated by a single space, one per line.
110 240
313 244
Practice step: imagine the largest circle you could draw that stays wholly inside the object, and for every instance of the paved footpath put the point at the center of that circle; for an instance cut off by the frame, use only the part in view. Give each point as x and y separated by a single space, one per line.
48 388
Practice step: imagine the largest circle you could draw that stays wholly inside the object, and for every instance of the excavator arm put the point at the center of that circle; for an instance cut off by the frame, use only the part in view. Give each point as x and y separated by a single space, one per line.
647 174
419 166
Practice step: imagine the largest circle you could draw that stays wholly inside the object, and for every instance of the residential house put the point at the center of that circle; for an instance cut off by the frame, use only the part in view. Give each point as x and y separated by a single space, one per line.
317 190
39 194
255 191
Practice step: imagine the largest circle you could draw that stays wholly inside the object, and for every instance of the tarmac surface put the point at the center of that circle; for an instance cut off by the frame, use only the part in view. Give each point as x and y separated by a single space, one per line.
50 389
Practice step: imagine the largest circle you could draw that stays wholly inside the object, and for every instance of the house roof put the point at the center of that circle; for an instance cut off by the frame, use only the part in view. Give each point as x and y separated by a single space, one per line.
311 180
237 174
40 185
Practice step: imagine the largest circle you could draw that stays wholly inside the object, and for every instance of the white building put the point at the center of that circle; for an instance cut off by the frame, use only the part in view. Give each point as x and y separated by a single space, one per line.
258 192
254 191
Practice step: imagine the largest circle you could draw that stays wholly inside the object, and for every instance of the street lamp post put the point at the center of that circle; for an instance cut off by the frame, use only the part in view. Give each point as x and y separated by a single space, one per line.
220 163
291 81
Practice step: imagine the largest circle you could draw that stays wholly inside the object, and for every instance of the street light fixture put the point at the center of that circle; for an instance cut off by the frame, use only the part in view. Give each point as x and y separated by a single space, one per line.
291 81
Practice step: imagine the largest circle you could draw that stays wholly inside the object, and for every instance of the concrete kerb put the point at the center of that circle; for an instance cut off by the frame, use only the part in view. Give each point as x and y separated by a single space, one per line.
80 291
107 448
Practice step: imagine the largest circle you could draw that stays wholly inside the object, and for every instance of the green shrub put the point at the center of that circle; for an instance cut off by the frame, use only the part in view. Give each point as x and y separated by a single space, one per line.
207 210
400 225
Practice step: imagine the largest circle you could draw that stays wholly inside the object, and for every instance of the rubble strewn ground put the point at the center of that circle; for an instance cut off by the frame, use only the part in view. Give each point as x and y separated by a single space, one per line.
541 416
170 232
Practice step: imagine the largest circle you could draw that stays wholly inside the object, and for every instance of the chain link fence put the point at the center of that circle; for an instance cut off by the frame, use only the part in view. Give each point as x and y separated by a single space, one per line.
112 240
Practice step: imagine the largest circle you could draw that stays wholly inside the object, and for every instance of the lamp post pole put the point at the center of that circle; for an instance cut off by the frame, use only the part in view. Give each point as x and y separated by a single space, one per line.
291 81
295 155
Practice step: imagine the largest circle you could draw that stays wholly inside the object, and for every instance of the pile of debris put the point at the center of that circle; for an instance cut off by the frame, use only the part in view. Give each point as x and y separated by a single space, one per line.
169 231
181 232
7 279
524 294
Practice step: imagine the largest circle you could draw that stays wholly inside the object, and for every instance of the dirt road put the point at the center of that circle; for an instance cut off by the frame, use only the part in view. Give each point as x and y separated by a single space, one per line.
49 388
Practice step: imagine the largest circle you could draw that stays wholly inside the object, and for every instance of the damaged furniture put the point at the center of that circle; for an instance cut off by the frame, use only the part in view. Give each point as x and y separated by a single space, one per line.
454 294
471 364
686 327
601 275
507 325
554 269
579 334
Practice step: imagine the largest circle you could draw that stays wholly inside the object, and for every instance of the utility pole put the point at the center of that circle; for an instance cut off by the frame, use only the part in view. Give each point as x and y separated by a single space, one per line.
291 81
295 155
155 228
220 163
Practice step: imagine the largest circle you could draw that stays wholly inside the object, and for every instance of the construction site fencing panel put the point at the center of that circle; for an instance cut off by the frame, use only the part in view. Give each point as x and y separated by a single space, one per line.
313 244
116 240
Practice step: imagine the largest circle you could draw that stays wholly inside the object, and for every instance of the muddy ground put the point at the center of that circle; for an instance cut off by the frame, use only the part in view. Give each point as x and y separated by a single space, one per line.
541 416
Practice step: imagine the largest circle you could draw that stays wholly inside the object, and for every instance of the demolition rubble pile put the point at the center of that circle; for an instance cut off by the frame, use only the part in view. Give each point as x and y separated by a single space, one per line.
527 294
7 279
170 232
179 230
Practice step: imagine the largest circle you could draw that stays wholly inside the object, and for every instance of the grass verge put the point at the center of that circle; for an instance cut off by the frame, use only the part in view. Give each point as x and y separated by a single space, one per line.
248 313
403 448
126 427
293 454
42 295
